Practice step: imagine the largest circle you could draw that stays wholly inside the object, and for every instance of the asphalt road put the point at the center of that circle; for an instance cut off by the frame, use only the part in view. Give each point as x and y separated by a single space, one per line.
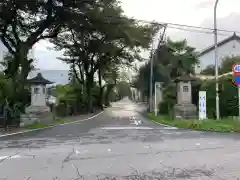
119 144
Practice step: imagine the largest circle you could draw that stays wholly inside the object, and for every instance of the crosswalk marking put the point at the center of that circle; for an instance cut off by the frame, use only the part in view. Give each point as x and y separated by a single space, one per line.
125 128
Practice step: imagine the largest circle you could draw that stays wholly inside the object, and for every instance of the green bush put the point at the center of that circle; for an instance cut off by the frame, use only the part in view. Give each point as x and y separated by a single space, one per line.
228 102
224 125
228 94
61 110
169 97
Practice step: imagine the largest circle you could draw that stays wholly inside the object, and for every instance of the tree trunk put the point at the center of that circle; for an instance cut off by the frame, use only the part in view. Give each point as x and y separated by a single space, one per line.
100 89
89 87
108 91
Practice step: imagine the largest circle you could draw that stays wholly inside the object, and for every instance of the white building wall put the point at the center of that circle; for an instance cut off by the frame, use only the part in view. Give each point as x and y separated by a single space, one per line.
228 49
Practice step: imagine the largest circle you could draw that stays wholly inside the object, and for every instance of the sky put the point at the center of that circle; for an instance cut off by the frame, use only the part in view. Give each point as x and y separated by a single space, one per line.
187 12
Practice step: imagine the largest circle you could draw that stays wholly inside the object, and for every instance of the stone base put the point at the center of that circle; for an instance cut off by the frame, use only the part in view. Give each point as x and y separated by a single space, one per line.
37 109
185 111
36 114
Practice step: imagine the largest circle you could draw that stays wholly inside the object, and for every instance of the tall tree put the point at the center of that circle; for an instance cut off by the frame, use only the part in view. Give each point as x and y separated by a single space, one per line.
109 38
171 60
23 23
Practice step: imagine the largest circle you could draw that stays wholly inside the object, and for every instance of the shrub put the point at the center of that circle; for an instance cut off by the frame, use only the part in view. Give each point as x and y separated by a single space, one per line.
228 102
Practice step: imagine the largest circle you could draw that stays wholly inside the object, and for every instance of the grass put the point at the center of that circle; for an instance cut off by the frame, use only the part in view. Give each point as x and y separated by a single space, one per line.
38 125
224 125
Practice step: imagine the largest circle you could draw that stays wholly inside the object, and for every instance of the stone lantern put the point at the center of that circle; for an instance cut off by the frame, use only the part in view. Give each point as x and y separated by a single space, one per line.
38 110
38 90
184 109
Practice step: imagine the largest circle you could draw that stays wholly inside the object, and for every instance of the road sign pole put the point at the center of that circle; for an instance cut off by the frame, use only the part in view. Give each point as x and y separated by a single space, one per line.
239 101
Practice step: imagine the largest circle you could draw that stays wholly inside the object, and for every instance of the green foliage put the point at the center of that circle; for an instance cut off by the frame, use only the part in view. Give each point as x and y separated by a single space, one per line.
209 70
227 63
228 97
95 36
171 60
224 125
226 66
24 23
123 89
169 97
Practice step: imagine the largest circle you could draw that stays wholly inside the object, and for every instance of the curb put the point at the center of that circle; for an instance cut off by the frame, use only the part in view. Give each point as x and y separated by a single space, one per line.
143 113
161 124
26 131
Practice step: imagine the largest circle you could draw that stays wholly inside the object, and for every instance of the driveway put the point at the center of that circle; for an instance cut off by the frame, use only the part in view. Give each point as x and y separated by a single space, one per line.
119 143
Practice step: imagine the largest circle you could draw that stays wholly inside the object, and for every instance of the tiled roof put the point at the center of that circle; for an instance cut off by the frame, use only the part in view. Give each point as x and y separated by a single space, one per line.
56 76
39 79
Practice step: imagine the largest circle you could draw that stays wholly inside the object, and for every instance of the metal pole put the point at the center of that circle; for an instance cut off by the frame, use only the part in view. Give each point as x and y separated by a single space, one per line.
216 59
239 102
151 80
155 99
151 68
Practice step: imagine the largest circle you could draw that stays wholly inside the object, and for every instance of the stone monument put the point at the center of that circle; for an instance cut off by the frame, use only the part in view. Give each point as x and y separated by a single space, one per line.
184 109
38 111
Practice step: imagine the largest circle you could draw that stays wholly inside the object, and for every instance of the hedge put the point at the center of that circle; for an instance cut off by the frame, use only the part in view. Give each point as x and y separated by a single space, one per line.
228 93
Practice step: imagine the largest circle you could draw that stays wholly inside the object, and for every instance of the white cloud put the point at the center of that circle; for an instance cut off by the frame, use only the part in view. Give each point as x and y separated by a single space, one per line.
46 57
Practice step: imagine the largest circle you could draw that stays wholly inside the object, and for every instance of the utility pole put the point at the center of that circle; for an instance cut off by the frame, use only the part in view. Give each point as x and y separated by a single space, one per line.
152 57
216 60
151 79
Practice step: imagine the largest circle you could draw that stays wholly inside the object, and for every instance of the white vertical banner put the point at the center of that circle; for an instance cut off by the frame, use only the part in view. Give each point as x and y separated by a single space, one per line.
202 105
157 86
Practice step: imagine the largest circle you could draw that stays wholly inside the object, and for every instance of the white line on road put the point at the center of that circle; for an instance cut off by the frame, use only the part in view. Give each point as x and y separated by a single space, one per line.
22 132
124 128
9 157
170 127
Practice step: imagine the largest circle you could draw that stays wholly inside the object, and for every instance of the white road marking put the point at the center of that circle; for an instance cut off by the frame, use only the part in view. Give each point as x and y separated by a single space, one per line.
109 150
197 144
9 157
22 132
124 128
169 127
77 152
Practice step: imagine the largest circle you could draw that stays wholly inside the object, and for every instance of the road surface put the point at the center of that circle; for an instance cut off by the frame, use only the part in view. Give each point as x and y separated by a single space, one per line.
119 144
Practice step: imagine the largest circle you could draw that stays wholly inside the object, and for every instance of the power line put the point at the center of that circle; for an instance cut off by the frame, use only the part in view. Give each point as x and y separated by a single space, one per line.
197 31
184 27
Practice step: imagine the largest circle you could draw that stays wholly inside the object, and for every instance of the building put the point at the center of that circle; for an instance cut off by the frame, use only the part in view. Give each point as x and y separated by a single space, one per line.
227 47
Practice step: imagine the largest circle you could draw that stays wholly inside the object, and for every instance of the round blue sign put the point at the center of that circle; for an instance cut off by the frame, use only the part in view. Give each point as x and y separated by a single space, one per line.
236 68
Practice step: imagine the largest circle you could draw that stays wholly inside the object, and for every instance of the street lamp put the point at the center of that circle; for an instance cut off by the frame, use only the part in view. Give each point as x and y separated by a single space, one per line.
216 58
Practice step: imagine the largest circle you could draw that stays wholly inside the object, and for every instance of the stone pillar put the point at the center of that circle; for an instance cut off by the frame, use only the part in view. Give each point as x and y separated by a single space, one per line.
184 109
38 95
184 92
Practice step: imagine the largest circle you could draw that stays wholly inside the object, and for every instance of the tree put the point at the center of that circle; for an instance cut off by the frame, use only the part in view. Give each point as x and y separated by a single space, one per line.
123 89
225 67
108 39
176 58
170 60
227 63
209 70
24 23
